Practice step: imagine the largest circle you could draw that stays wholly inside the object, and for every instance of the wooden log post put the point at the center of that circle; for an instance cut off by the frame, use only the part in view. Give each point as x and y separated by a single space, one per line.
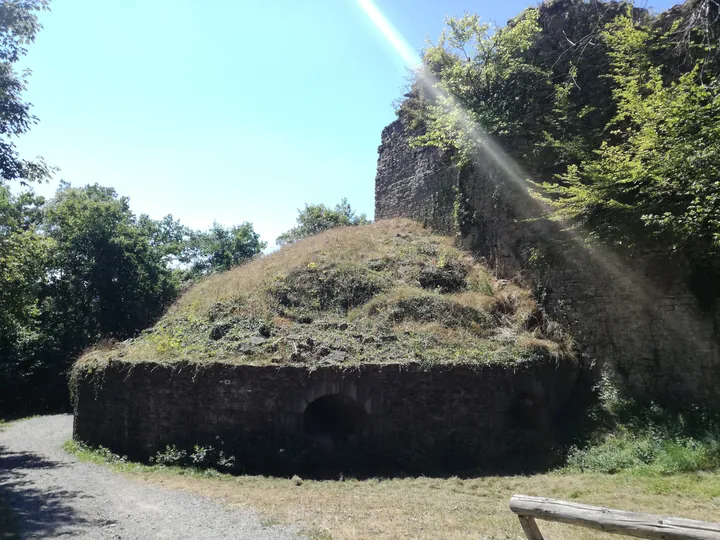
530 528
635 524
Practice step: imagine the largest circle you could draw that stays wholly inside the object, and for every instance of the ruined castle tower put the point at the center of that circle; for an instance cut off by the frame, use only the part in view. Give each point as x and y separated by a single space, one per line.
636 316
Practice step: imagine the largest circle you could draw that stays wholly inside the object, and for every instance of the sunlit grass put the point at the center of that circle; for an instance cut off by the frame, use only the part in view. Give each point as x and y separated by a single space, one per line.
8 421
392 277
424 507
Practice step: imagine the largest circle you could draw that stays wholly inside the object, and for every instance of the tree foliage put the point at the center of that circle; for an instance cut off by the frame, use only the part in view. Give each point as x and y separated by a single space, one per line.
18 27
221 248
82 267
104 277
613 110
657 176
316 218
23 259
484 73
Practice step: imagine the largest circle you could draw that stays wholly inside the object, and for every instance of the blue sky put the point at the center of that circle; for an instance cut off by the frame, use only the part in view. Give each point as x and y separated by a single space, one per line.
226 110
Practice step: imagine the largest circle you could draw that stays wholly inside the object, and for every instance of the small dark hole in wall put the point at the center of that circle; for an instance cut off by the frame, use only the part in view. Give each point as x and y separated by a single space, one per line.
335 415
526 411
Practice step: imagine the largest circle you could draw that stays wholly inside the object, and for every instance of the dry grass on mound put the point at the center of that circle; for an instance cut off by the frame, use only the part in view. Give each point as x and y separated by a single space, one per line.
346 245
390 291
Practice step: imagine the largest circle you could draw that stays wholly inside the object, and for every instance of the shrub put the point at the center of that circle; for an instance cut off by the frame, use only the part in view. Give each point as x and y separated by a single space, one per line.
410 304
324 288
648 439
650 453
447 276
172 456
201 457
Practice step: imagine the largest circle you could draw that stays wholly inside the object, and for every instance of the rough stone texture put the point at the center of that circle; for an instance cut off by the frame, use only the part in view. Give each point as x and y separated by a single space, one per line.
637 316
414 182
415 418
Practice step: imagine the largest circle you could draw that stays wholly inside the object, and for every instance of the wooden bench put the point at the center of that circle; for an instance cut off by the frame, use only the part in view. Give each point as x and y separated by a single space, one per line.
608 520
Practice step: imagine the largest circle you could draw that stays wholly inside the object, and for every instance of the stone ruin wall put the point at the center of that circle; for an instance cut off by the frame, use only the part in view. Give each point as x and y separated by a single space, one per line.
401 416
637 317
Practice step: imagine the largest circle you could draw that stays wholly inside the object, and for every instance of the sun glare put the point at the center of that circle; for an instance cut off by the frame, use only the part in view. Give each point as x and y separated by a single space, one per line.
490 148
408 54
490 152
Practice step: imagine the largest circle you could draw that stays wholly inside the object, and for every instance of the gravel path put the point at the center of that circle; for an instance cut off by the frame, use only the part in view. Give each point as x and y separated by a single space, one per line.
55 495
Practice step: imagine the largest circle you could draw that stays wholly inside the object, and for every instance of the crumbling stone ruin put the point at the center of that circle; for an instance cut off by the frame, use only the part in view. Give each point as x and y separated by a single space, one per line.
637 317
378 347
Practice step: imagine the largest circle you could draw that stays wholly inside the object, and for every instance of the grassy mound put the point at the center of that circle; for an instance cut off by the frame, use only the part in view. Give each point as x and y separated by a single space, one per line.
386 292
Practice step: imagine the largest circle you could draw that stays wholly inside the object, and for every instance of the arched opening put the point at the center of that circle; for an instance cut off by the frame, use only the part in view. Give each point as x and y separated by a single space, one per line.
526 411
334 415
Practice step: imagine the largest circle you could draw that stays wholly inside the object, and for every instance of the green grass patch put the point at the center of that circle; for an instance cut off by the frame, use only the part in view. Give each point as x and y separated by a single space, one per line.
646 439
102 456
7 422
387 508
650 452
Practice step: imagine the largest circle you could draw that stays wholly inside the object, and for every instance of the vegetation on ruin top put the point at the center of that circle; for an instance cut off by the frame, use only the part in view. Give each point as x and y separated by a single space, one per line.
386 292
612 112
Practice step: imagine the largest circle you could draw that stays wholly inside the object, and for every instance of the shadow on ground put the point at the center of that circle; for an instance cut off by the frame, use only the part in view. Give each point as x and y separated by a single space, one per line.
40 513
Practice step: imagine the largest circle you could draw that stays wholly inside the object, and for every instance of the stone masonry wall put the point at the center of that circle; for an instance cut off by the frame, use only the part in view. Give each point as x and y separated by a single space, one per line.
419 419
636 316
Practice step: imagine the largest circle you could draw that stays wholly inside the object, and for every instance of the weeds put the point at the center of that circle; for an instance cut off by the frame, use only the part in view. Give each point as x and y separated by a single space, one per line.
94 454
102 456
201 457
326 288
647 439
410 304
650 452
427 508
352 292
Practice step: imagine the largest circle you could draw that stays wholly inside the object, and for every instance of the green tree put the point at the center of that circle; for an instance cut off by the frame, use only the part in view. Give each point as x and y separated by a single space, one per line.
106 278
82 267
96 276
168 236
221 248
538 87
316 218
657 178
486 74
18 27
24 255
24 251
613 110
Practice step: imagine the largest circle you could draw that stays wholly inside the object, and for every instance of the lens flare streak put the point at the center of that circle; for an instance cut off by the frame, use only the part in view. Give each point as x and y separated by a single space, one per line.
395 38
489 152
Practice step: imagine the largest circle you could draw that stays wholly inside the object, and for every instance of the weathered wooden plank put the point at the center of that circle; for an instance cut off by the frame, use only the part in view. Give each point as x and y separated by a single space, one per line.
530 527
635 524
